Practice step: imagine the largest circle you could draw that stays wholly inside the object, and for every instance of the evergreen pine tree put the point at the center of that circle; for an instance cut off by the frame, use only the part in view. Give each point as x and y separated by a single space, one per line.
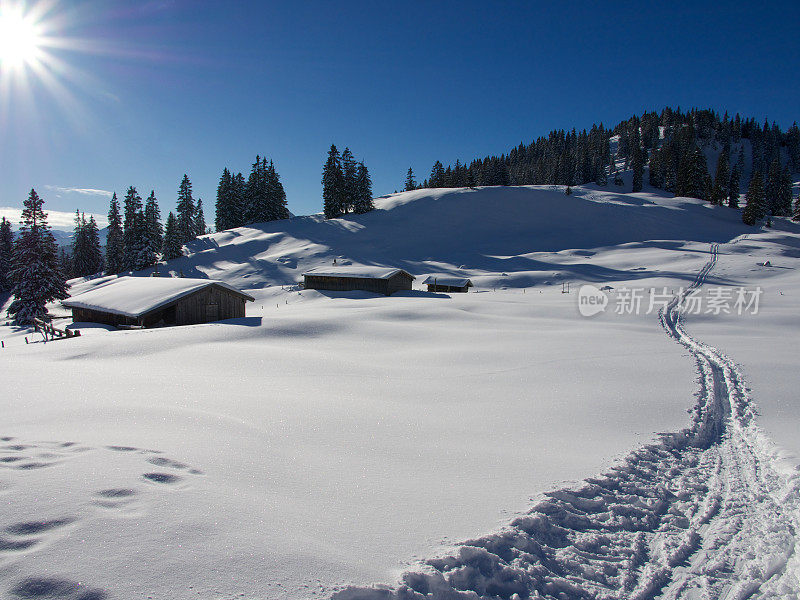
722 179
618 178
152 218
602 177
115 246
411 183
80 248
734 187
172 244
65 263
225 210
256 194
199 219
363 202
142 255
755 208
772 188
132 229
238 200
436 179
36 274
276 194
332 184
6 246
94 249
692 175
349 174
638 169
185 212
785 193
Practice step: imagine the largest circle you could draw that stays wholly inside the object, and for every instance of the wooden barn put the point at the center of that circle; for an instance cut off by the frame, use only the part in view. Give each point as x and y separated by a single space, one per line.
444 283
381 280
158 301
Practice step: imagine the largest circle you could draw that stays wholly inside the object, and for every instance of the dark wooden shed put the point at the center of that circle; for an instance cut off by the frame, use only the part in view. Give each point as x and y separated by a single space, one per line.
158 301
445 283
380 280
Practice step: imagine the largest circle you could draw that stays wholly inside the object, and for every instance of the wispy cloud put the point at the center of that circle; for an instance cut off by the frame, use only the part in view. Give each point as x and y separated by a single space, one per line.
77 190
55 218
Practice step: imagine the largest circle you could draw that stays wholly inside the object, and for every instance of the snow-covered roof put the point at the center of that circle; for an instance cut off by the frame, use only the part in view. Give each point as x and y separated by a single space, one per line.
360 272
135 296
445 280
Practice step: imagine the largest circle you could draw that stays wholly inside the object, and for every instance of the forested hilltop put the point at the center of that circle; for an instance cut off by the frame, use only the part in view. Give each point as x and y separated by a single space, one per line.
698 153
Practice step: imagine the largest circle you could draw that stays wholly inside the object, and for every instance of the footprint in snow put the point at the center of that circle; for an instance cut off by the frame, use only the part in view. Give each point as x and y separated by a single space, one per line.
34 588
114 497
27 534
29 456
161 477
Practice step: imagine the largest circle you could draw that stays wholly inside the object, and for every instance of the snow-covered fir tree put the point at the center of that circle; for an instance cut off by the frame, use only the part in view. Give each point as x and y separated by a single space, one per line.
225 213
94 261
264 196
133 229
734 187
185 212
692 174
115 245
65 263
239 199
79 246
173 248
256 195
199 219
363 202
785 193
277 195
349 174
638 170
772 191
87 255
6 246
437 179
722 179
36 274
153 227
755 208
411 183
332 184
143 254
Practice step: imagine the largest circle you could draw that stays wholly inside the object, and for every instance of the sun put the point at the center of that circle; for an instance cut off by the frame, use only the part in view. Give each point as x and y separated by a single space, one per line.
20 39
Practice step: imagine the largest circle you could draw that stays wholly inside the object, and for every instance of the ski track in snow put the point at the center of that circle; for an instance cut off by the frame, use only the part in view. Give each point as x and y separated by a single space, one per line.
709 512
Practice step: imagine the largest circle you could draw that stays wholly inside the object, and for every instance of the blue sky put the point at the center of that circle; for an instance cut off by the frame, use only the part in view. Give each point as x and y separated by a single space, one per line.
148 91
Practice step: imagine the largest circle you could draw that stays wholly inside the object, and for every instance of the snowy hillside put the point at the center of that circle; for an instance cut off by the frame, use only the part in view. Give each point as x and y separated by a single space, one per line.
483 233
494 443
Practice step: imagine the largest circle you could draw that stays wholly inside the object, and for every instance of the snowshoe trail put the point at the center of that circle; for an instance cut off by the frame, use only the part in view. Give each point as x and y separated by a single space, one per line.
705 513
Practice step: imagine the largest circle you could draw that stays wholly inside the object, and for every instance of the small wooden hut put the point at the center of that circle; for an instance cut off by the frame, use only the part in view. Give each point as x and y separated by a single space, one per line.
380 280
437 283
158 301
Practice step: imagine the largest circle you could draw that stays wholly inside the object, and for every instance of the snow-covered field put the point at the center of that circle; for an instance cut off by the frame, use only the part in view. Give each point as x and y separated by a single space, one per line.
330 440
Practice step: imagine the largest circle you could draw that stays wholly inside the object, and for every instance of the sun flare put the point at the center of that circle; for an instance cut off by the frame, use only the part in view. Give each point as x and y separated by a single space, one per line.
20 39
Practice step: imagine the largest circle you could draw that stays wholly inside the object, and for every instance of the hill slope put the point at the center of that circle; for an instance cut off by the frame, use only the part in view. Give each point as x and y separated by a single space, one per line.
480 232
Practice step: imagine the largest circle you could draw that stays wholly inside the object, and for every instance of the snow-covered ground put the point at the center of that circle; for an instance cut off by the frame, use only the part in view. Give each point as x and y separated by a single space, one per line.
330 440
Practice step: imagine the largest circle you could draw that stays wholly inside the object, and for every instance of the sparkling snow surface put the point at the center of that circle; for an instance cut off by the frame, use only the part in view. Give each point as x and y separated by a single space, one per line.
336 438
